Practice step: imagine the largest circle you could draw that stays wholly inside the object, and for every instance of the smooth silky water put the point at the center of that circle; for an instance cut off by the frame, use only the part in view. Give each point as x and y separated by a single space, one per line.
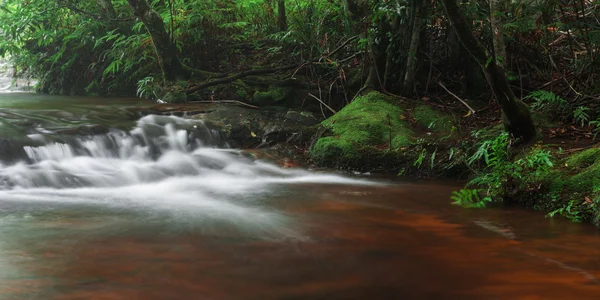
158 207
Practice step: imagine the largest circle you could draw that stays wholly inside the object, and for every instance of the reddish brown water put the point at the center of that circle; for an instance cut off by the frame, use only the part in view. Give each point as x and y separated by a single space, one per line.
398 242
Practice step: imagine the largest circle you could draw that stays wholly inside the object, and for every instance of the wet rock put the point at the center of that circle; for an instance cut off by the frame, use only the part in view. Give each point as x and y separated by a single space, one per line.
95 129
11 151
248 128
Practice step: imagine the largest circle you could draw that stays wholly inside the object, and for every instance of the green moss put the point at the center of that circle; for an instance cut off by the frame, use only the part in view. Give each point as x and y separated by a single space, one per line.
583 158
369 122
271 96
432 119
334 150
242 90
572 188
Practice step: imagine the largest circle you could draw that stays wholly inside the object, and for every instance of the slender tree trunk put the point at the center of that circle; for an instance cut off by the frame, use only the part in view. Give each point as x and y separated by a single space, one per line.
359 12
517 116
107 9
497 7
165 49
281 16
411 61
391 70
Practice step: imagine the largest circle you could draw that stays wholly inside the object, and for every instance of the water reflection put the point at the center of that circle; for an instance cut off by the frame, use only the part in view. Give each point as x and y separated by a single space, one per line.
394 242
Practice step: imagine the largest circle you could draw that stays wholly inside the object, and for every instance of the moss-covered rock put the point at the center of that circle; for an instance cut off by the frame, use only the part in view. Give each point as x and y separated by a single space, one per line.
432 119
571 188
370 123
271 96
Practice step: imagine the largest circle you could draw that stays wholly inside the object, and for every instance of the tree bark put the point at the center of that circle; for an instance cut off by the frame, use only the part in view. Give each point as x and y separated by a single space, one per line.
107 9
359 12
411 61
497 7
517 117
166 51
281 16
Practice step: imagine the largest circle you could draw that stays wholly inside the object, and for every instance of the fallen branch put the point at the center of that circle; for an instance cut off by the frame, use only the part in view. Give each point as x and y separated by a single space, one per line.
457 98
237 76
228 102
223 78
321 101
341 46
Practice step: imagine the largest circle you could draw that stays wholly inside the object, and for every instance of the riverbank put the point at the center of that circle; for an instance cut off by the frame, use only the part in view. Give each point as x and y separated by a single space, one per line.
378 133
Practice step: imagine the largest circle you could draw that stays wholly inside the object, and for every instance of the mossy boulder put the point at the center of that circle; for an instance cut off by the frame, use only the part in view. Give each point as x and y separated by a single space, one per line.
579 173
273 95
370 123
432 119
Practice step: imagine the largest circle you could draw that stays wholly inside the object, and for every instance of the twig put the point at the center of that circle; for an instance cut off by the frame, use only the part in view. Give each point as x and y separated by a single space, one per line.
321 101
228 102
341 46
457 98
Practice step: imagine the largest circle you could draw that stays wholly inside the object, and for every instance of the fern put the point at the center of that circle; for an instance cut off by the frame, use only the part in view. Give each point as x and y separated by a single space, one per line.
581 116
469 198
545 100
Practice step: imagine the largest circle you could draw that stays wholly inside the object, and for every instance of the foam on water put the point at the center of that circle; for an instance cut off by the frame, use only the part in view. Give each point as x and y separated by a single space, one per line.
166 165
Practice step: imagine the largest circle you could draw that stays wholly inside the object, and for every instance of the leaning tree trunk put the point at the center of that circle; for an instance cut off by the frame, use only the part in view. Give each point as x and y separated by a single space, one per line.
281 16
497 7
163 45
517 116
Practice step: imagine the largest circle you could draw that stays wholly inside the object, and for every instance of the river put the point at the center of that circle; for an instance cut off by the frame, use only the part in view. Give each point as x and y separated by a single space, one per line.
97 202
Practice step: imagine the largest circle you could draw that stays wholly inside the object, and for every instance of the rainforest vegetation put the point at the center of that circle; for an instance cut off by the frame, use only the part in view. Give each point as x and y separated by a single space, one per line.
503 92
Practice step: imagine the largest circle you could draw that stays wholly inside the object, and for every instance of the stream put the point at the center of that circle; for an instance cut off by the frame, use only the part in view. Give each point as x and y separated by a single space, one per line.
97 202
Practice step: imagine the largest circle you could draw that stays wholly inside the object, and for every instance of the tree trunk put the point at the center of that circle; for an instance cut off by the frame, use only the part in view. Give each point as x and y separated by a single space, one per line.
359 12
411 61
281 16
497 7
165 49
107 9
517 117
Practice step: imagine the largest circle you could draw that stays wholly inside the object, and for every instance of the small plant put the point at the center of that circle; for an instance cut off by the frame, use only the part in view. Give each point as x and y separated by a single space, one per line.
419 161
581 116
469 198
569 212
146 88
545 100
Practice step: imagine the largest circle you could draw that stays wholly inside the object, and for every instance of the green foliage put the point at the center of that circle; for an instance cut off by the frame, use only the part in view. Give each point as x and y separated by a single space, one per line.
499 173
469 198
147 88
580 115
569 211
545 100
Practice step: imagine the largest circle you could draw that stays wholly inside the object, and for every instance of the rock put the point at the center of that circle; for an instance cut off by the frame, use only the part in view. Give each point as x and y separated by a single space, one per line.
302 117
175 97
356 134
247 128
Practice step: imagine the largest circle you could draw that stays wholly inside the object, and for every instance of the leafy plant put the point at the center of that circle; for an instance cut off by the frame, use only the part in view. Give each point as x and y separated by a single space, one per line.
569 212
146 88
499 172
581 116
545 100
469 198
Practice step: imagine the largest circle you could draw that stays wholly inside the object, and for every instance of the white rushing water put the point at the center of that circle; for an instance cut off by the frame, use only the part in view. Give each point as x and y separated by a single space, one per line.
165 164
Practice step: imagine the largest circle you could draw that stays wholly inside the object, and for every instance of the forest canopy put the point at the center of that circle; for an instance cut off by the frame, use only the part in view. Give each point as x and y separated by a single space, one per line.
504 49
